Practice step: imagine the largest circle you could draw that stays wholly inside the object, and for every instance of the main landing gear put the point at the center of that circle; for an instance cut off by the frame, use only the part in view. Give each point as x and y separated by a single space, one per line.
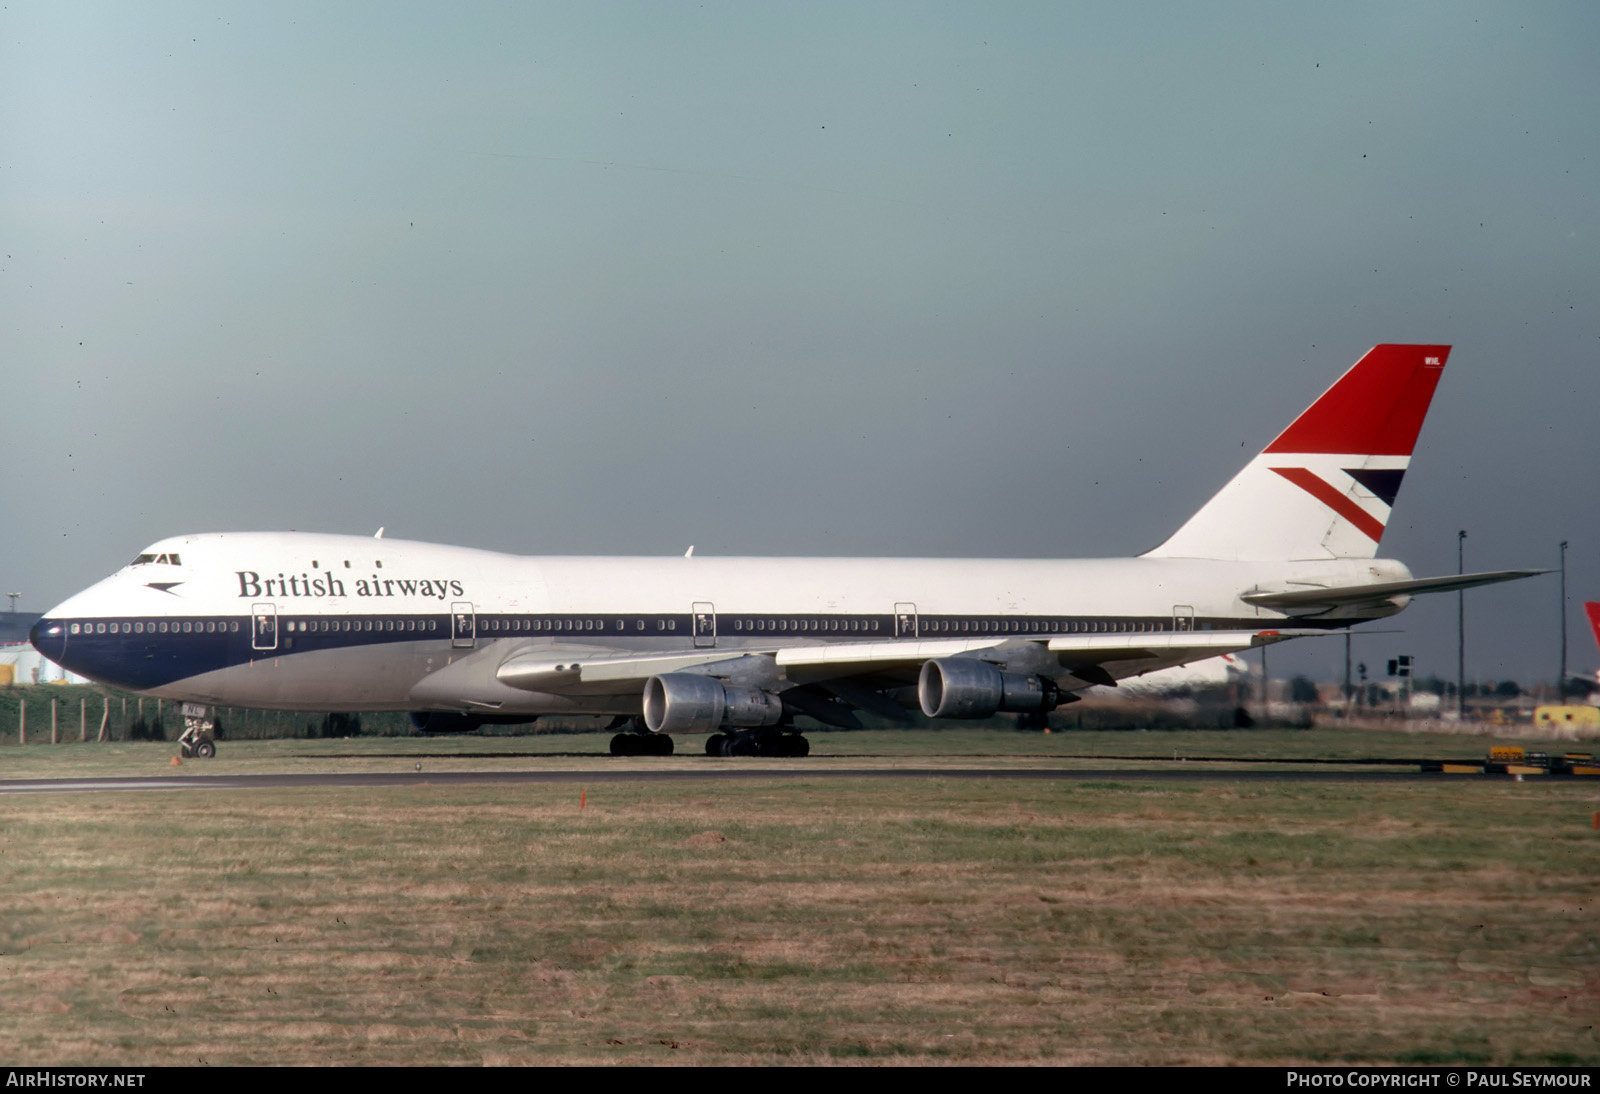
770 741
641 744
755 742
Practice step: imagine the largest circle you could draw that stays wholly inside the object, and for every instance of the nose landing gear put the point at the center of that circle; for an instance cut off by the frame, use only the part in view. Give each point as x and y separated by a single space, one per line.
196 739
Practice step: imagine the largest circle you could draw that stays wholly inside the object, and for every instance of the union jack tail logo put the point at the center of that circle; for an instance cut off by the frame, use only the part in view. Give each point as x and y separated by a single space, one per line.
1325 487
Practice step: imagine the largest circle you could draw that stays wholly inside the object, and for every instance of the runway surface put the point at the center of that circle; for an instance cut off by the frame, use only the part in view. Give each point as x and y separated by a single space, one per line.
1177 773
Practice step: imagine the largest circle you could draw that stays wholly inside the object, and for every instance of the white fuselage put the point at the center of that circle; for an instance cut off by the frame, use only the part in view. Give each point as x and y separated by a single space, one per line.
327 622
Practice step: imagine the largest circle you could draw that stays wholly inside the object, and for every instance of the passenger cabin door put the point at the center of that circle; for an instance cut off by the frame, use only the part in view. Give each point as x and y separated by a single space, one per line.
704 621
1183 617
905 620
463 625
263 626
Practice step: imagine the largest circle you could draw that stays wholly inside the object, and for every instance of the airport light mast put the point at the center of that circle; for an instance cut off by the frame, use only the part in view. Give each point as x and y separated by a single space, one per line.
1561 680
1347 689
1461 631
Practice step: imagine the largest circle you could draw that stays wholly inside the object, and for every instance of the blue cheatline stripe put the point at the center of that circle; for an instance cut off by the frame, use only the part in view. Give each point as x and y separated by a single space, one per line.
140 654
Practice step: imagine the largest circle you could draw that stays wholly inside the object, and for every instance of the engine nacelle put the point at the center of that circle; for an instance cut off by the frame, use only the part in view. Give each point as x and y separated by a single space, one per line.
965 687
685 702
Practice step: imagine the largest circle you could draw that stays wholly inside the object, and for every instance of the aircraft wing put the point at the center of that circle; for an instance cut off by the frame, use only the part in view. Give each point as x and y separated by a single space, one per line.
1089 658
1313 599
1071 652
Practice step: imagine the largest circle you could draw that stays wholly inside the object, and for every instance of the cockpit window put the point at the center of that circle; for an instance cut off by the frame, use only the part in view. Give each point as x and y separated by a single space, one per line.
169 559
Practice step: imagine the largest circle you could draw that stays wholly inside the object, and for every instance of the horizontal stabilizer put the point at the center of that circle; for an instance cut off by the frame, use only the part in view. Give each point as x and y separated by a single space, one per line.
1354 595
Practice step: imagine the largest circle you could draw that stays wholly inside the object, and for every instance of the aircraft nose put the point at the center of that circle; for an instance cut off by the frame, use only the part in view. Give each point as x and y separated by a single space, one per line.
49 637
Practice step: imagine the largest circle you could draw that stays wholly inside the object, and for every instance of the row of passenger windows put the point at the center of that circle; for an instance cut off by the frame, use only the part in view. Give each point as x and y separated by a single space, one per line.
924 626
1038 626
173 626
231 626
330 626
796 626
489 623
493 624
703 623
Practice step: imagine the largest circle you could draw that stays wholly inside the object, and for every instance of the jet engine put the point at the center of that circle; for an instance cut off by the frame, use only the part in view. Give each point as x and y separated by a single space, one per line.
965 687
685 702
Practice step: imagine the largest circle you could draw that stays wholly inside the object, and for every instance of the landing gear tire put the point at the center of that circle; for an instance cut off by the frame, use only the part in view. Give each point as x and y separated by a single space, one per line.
641 744
205 750
786 746
766 743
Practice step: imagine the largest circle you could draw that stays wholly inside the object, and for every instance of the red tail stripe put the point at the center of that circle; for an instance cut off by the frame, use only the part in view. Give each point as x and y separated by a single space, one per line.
1342 504
1593 608
1374 409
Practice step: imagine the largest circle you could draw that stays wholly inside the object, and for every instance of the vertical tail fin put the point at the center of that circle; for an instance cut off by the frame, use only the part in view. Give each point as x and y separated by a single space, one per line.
1325 487
1592 608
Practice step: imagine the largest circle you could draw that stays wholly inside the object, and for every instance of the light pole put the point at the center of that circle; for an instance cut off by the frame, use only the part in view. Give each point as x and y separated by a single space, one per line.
1347 674
1266 689
1461 630
1561 680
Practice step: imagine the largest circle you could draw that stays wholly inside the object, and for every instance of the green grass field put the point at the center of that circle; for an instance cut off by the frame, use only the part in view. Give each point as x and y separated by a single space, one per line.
797 921
960 747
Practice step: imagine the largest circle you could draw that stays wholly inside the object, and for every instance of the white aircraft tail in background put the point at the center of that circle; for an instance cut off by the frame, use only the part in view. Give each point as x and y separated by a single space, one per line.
1591 608
1213 675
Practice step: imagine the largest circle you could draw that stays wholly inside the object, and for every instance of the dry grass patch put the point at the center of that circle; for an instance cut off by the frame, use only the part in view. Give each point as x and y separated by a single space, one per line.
828 921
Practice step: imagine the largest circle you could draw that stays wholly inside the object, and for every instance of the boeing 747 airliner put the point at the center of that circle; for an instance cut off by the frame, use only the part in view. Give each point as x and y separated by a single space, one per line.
739 647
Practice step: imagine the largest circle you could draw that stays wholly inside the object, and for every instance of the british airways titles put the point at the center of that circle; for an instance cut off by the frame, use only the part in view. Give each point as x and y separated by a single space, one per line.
252 584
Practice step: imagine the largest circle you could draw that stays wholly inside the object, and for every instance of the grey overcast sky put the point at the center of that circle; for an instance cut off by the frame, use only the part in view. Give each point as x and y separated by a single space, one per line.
990 279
